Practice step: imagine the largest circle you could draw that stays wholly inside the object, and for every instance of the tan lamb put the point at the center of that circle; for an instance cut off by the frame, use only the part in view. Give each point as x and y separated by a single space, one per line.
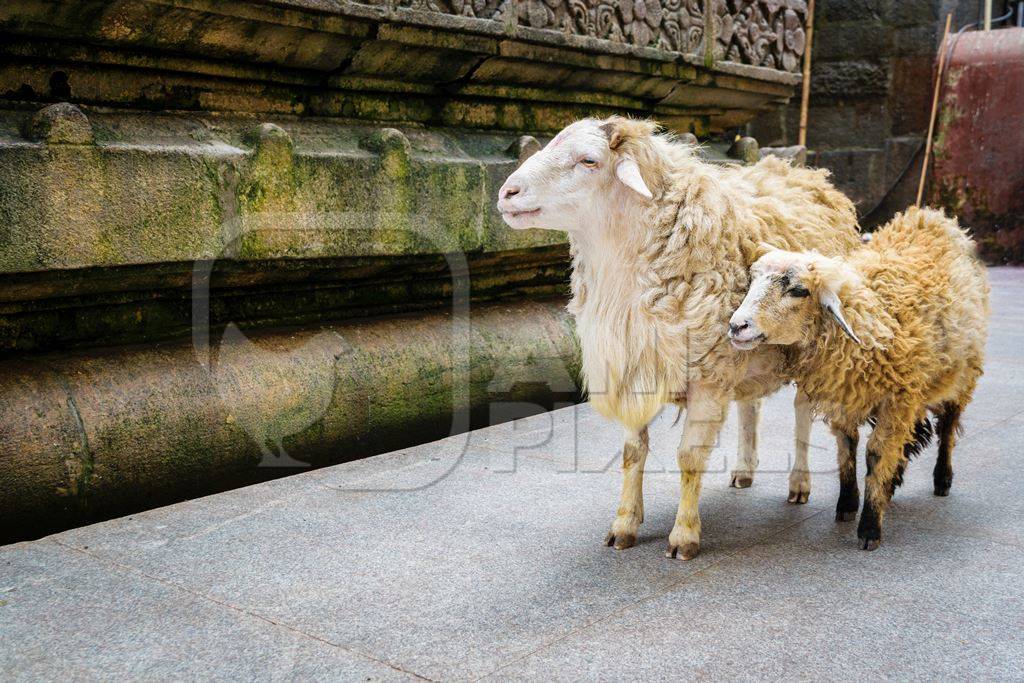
881 335
662 243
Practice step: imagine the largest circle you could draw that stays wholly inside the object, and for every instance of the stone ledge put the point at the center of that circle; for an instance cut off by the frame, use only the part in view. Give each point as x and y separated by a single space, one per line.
350 60
124 429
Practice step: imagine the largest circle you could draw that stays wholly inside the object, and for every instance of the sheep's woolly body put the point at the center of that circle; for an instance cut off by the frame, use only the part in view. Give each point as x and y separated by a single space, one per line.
654 287
917 296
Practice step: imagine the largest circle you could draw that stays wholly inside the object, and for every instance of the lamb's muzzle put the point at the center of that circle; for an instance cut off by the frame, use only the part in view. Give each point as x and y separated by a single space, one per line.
743 333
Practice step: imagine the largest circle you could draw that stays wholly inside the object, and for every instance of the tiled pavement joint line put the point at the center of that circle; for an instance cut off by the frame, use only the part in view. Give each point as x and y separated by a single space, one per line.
234 608
648 598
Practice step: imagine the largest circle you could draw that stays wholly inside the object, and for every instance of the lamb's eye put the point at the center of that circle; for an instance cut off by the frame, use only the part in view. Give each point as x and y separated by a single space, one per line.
798 292
588 162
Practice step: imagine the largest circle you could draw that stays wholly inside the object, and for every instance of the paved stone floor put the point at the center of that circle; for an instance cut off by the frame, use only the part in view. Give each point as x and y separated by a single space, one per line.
481 557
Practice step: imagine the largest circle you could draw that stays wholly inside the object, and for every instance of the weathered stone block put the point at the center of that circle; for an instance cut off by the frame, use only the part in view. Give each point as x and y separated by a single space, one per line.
60 124
912 12
744 149
850 79
856 124
910 98
851 41
795 154
852 10
916 40
858 173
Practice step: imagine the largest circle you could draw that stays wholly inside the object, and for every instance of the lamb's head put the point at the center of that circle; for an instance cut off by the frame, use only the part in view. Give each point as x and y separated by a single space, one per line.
590 167
789 293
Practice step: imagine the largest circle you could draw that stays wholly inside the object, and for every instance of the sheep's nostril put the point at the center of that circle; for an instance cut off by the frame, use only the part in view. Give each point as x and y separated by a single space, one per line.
509 192
735 329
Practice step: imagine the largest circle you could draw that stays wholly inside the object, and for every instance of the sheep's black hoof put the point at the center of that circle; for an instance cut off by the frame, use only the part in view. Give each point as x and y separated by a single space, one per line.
846 515
688 551
741 481
942 486
798 497
620 541
869 531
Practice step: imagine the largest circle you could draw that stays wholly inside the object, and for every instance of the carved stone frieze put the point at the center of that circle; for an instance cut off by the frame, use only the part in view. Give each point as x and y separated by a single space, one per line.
672 25
766 33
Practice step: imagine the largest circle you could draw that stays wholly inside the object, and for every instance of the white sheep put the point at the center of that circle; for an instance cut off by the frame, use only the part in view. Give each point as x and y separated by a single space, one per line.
661 245
884 334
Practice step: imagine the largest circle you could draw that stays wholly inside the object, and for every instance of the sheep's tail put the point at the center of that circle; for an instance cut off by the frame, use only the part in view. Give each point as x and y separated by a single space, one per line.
922 437
919 440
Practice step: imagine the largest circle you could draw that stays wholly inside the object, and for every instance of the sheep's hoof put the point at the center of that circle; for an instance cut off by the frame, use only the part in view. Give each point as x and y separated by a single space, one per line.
620 541
687 552
942 489
798 497
741 481
846 515
870 535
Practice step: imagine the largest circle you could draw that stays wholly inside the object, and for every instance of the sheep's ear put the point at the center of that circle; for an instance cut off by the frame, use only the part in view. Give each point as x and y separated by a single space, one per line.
764 248
613 132
628 172
830 302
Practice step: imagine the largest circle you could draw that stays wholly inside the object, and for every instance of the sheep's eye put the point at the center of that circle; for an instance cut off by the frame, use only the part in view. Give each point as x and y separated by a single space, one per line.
798 292
588 162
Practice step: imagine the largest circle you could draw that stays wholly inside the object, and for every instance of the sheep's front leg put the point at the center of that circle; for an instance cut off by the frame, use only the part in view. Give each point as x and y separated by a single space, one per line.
800 475
706 409
746 462
631 505
885 457
846 456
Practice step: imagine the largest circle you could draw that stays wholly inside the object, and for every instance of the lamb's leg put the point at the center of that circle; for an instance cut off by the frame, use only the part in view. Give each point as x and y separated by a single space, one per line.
746 462
631 506
846 455
947 425
800 475
885 457
705 414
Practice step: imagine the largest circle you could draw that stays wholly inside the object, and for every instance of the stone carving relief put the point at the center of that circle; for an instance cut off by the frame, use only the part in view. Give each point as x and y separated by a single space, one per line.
762 32
674 25
759 32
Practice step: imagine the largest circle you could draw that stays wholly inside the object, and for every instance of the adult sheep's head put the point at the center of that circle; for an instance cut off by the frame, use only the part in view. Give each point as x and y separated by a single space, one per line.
789 291
591 166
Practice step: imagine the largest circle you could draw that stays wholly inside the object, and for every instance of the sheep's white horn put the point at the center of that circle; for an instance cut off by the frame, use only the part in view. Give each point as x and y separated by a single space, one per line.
830 302
628 172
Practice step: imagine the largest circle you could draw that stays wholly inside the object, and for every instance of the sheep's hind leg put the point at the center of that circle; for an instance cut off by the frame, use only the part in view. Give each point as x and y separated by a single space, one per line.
800 475
742 475
947 425
846 455
631 506
885 461
705 414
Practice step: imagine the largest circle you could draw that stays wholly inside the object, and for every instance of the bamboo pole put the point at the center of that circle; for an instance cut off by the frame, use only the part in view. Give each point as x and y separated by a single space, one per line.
988 15
935 109
805 95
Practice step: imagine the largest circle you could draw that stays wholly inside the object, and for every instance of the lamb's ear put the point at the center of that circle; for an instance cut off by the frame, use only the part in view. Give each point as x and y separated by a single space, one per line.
628 172
830 302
